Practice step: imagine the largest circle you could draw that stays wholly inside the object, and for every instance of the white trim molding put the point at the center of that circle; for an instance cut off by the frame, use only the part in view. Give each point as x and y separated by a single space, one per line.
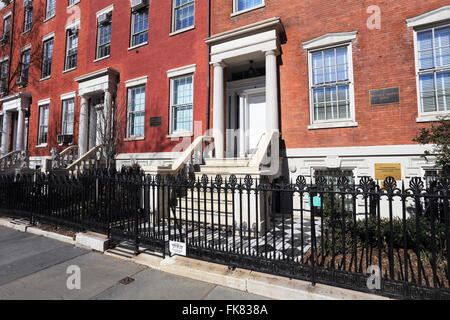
324 42
25 48
136 82
75 23
105 10
7 15
238 12
181 71
48 36
44 102
69 95
329 39
431 17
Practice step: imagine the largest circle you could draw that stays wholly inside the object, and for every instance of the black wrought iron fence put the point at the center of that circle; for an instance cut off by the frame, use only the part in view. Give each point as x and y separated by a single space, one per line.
391 239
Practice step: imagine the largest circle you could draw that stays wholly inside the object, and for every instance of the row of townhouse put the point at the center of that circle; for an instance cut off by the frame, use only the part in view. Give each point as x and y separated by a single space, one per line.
345 84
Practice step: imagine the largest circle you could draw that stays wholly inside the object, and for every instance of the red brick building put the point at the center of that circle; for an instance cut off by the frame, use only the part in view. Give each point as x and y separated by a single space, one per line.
347 84
105 53
355 78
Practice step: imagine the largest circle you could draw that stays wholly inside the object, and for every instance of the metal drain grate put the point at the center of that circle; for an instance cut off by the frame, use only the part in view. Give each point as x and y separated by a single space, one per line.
126 280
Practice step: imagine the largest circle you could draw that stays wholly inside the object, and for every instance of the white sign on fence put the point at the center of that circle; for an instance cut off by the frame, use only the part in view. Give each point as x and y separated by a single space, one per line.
178 248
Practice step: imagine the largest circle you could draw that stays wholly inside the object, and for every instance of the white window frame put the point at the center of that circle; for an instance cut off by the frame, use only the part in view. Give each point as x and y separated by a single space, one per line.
64 114
43 104
24 50
324 42
435 115
4 60
132 34
47 6
74 25
46 38
26 17
172 75
237 12
97 47
130 85
174 20
71 3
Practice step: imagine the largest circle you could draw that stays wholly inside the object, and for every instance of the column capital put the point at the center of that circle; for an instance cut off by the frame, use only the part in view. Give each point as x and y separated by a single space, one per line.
219 64
272 52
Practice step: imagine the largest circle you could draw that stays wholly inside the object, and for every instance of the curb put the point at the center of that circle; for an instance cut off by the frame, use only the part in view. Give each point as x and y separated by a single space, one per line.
266 285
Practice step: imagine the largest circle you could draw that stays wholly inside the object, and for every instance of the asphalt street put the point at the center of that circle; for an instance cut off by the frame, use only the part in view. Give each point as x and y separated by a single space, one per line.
36 268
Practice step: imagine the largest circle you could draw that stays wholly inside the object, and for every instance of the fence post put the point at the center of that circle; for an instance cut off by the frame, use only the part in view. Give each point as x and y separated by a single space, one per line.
313 239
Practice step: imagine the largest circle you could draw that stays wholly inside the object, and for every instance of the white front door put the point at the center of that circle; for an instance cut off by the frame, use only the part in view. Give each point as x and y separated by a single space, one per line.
256 120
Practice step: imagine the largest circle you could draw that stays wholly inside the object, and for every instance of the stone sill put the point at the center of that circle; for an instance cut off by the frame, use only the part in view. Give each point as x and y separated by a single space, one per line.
330 125
181 31
247 10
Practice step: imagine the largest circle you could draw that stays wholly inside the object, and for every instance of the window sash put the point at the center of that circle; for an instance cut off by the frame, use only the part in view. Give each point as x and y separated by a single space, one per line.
47 58
136 111
182 103
139 27
51 9
3 75
28 19
104 41
71 50
43 124
331 84
241 5
25 67
184 14
68 115
433 65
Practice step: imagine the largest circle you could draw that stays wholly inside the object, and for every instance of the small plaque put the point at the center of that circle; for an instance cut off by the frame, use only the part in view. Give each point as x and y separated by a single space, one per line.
384 96
384 170
317 201
178 248
155 121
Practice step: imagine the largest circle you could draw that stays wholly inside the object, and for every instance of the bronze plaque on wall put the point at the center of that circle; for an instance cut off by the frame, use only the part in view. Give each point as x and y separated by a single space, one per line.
384 96
155 121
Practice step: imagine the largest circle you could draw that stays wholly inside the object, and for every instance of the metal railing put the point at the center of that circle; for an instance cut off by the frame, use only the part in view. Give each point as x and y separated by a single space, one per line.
13 160
65 158
339 234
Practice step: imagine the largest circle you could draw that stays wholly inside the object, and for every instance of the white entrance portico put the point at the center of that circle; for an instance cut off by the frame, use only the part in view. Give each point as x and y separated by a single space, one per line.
97 91
251 101
14 124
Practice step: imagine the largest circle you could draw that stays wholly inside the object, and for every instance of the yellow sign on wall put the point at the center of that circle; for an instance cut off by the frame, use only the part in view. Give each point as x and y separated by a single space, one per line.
383 170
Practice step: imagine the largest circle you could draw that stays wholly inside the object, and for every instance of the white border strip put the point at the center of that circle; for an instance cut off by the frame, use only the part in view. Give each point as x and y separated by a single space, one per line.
181 71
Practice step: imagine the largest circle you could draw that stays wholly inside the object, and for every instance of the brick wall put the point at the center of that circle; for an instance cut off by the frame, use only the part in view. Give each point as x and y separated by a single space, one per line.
381 58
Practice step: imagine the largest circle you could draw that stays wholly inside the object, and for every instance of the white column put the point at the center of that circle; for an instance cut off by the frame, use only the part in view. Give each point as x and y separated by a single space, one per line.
271 91
218 109
92 127
107 110
83 126
241 126
5 133
20 130
100 126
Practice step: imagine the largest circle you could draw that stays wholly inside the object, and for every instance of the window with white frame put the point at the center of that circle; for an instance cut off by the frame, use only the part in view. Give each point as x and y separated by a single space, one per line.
72 2
104 36
241 5
50 9
28 16
331 84
43 124
136 111
67 116
182 103
6 29
3 76
183 14
25 67
47 58
71 48
139 26
433 69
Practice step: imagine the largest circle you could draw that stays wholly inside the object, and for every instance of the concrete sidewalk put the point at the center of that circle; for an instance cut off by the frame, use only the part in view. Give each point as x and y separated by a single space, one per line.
224 283
34 268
